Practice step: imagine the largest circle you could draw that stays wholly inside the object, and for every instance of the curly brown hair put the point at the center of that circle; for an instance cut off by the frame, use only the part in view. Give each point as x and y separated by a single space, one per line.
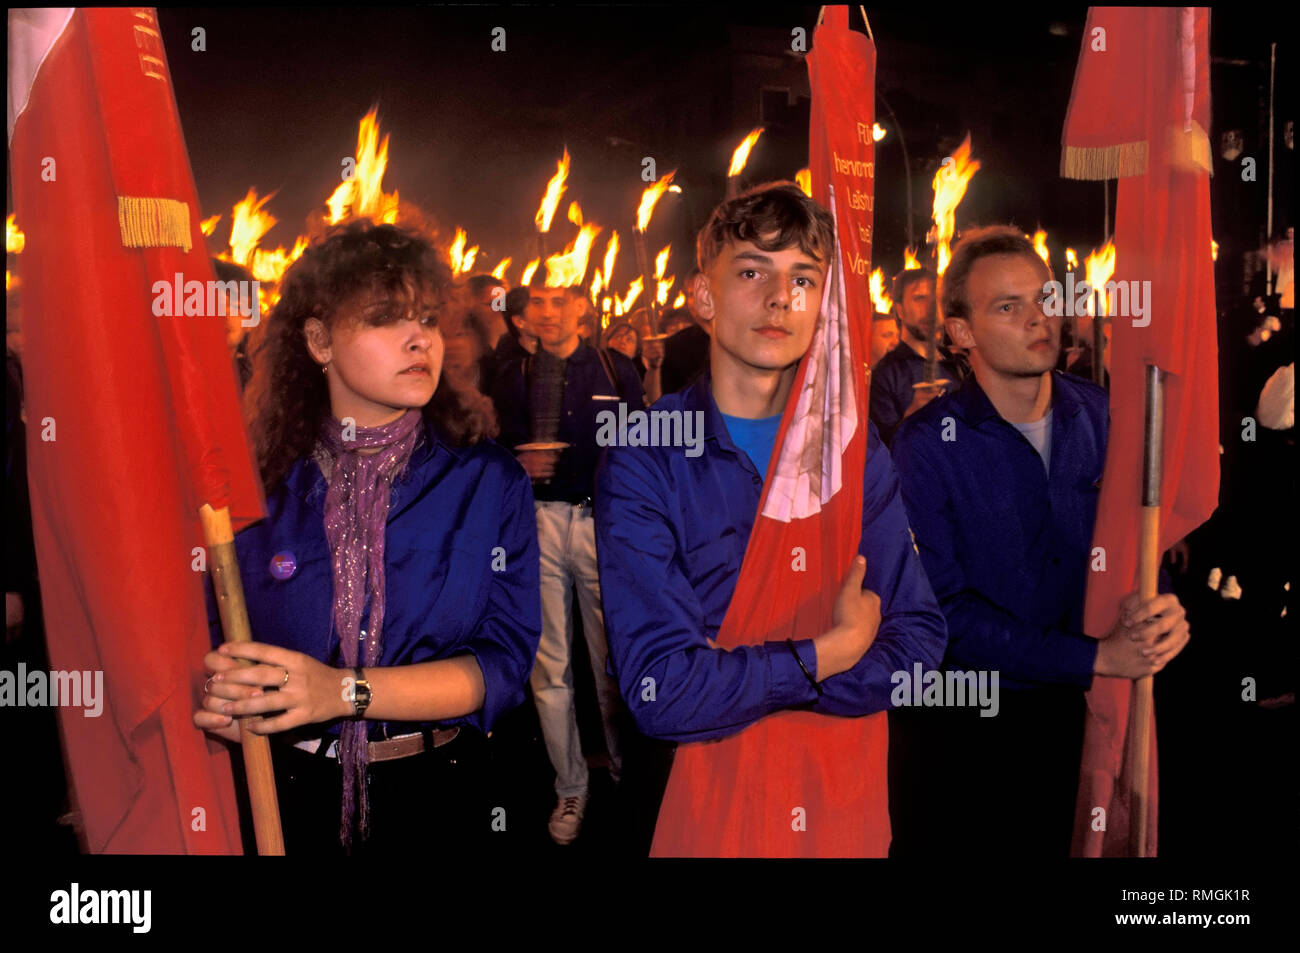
288 395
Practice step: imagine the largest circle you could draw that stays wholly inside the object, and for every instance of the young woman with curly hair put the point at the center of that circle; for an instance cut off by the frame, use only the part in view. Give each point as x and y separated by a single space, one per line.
393 588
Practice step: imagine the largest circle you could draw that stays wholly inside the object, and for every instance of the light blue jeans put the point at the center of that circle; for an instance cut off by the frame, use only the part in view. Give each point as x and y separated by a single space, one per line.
566 534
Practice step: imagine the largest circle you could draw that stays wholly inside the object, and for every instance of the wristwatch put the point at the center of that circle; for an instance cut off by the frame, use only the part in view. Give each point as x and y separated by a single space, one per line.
361 694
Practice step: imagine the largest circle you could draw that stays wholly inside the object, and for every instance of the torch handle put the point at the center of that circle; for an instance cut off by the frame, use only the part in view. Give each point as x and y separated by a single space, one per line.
1098 339
1143 714
234 623
647 278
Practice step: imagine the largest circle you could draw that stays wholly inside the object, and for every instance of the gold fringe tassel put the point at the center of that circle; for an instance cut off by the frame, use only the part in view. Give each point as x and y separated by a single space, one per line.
1188 150
1104 162
149 222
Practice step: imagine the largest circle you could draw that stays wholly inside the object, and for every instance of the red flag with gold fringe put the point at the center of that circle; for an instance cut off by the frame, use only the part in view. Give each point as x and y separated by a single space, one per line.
134 420
1139 111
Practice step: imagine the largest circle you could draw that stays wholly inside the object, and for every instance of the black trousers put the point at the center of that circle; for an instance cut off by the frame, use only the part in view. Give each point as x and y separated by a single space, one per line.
429 805
963 785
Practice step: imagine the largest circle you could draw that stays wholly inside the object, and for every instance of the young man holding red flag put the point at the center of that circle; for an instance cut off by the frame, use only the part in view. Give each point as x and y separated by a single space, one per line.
1001 480
673 530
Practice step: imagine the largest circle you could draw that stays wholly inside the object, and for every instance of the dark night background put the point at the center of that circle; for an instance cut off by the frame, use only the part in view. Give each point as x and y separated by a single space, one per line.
275 100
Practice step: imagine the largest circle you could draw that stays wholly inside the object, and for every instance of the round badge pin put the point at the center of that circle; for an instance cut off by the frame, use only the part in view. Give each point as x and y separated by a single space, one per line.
283 565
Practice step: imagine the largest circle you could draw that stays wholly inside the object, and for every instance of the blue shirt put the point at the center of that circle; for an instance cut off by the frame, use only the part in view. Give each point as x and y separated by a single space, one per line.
671 532
1006 542
456 517
891 385
587 391
754 437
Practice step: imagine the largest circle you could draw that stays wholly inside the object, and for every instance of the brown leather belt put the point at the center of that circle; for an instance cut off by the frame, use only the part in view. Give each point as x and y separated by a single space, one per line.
391 749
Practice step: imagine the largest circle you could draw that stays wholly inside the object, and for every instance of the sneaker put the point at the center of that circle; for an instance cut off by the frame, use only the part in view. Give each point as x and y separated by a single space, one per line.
566 819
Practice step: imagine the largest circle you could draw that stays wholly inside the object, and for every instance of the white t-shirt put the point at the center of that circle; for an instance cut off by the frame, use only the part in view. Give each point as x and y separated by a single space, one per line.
1039 433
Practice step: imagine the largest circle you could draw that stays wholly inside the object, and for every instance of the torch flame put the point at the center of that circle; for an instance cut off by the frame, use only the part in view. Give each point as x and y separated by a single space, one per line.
15 240
1098 267
209 225
611 256
910 262
575 214
680 300
624 304
803 179
606 304
648 199
664 288
877 132
570 266
499 272
248 223
949 187
551 200
269 266
661 261
462 259
363 194
741 155
1071 259
884 304
1214 250
596 286
1040 246
529 268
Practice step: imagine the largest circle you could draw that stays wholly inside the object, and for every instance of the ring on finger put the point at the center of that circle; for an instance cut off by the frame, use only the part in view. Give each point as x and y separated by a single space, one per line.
286 678
207 686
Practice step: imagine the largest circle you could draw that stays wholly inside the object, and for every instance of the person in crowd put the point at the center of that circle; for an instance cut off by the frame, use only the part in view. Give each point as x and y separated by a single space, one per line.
515 345
884 336
392 590
239 327
465 340
672 529
487 295
686 353
1001 480
894 394
622 337
549 403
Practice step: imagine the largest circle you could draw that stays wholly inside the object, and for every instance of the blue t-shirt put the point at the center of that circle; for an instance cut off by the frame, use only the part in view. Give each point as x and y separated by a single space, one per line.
755 437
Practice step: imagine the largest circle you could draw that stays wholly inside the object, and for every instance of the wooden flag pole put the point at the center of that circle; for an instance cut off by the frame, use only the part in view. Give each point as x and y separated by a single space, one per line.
1148 569
229 589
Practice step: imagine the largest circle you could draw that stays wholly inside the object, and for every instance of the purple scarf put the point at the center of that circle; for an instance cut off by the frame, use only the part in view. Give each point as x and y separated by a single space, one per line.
356 515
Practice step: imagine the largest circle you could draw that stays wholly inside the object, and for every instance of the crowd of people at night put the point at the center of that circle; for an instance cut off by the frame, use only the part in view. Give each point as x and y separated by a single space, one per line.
443 519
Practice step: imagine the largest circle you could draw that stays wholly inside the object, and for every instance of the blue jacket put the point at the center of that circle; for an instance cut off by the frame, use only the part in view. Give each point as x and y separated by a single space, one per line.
455 517
1006 546
891 386
671 531
587 391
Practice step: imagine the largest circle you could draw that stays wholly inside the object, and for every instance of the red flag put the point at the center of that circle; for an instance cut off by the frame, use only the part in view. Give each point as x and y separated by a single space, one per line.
133 420
1139 111
736 797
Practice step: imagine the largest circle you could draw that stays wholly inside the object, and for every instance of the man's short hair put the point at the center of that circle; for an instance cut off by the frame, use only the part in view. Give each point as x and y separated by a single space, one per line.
538 283
516 301
478 284
908 277
779 209
974 245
